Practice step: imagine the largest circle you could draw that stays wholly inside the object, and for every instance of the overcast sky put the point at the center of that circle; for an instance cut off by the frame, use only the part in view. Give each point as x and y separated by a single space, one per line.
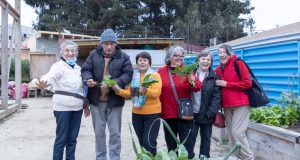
267 13
270 13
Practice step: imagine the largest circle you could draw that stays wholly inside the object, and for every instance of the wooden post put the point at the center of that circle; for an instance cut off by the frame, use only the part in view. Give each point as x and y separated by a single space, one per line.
18 67
4 63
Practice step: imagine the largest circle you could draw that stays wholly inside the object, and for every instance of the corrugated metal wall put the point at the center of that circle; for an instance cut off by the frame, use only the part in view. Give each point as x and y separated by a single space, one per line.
276 66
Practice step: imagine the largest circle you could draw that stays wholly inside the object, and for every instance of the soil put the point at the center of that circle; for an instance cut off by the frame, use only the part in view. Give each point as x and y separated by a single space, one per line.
29 134
296 127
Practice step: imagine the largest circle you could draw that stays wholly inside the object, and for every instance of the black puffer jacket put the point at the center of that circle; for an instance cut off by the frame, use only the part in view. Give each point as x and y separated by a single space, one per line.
210 99
120 69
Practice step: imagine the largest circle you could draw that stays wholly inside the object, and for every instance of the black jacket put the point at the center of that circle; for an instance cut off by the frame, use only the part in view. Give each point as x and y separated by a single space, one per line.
210 99
120 69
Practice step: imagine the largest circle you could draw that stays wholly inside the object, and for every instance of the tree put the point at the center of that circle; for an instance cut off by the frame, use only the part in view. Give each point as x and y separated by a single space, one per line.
214 18
195 20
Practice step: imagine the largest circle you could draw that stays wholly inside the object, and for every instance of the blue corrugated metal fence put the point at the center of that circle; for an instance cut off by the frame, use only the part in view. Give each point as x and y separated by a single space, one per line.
276 66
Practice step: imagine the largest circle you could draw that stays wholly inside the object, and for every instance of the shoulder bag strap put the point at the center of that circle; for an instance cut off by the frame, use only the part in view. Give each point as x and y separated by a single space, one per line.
173 85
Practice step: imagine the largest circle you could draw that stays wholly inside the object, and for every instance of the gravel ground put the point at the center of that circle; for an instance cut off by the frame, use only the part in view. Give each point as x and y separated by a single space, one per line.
29 134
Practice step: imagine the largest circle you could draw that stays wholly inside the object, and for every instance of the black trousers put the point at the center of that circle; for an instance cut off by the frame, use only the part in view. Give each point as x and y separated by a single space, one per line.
205 135
146 128
180 128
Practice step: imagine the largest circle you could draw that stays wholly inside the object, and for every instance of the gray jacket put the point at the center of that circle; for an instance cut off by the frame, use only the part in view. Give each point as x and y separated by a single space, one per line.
120 69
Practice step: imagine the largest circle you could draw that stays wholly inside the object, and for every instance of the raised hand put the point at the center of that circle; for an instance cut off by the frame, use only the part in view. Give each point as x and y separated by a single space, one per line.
41 84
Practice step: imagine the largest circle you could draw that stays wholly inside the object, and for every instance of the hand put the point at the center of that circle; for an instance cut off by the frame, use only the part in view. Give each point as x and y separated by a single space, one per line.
191 79
116 88
41 84
143 90
86 111
91 83
221 83
104 88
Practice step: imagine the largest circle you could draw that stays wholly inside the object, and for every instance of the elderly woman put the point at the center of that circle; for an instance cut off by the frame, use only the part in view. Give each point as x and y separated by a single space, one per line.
174 58
146 105
234 99
65 78
206 102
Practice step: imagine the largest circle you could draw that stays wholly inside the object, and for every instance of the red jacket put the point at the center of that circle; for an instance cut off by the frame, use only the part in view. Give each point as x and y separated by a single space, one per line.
233 94
183 89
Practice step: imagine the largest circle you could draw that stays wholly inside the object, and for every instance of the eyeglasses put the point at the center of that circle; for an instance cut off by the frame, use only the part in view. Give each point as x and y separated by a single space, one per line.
70 50
180 56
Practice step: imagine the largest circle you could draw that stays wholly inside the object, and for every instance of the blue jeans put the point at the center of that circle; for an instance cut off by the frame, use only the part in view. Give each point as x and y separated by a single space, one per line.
67 129
205 135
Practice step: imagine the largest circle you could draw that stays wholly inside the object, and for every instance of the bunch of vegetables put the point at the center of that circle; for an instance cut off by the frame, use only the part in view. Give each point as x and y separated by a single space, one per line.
148 80
186 71
108 81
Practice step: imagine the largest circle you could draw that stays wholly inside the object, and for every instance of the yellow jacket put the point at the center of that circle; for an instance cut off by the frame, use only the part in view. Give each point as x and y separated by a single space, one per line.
152 104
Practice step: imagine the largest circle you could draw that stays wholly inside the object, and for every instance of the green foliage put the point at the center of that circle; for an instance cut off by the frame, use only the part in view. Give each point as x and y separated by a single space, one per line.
185 71
285 114
25 64
108 81
289 99
194 20
148 80
86 16
275 116
162 154
213 18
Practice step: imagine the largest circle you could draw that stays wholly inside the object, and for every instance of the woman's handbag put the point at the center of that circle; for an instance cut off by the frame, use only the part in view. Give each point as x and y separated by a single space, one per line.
220 120
185 105
185 109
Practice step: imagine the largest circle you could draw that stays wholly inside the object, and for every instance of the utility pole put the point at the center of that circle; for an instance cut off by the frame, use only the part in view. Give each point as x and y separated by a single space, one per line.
145 36
188 44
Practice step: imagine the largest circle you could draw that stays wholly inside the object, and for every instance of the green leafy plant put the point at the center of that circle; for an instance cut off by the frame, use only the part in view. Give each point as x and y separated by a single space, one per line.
275 116
148 80
25 66
185 71
108 81
289 99
163 154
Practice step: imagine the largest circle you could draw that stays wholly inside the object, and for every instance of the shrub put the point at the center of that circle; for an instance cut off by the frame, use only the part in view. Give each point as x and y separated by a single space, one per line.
25 70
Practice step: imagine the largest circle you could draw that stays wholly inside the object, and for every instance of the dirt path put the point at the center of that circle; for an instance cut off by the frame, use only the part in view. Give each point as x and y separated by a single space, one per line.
29 135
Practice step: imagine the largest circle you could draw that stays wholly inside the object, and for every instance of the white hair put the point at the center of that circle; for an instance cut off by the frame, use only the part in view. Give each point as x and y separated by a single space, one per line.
170 53
65 43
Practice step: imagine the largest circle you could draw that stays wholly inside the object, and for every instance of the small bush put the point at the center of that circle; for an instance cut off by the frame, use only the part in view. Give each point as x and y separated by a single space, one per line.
25 70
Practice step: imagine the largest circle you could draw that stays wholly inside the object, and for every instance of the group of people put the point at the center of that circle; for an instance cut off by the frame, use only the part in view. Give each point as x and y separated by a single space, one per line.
208 89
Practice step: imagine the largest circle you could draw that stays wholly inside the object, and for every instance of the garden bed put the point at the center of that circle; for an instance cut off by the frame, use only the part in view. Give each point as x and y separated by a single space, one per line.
270 142
296 127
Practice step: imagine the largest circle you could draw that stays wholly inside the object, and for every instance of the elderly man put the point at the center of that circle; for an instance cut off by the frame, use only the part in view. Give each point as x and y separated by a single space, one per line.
106 106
